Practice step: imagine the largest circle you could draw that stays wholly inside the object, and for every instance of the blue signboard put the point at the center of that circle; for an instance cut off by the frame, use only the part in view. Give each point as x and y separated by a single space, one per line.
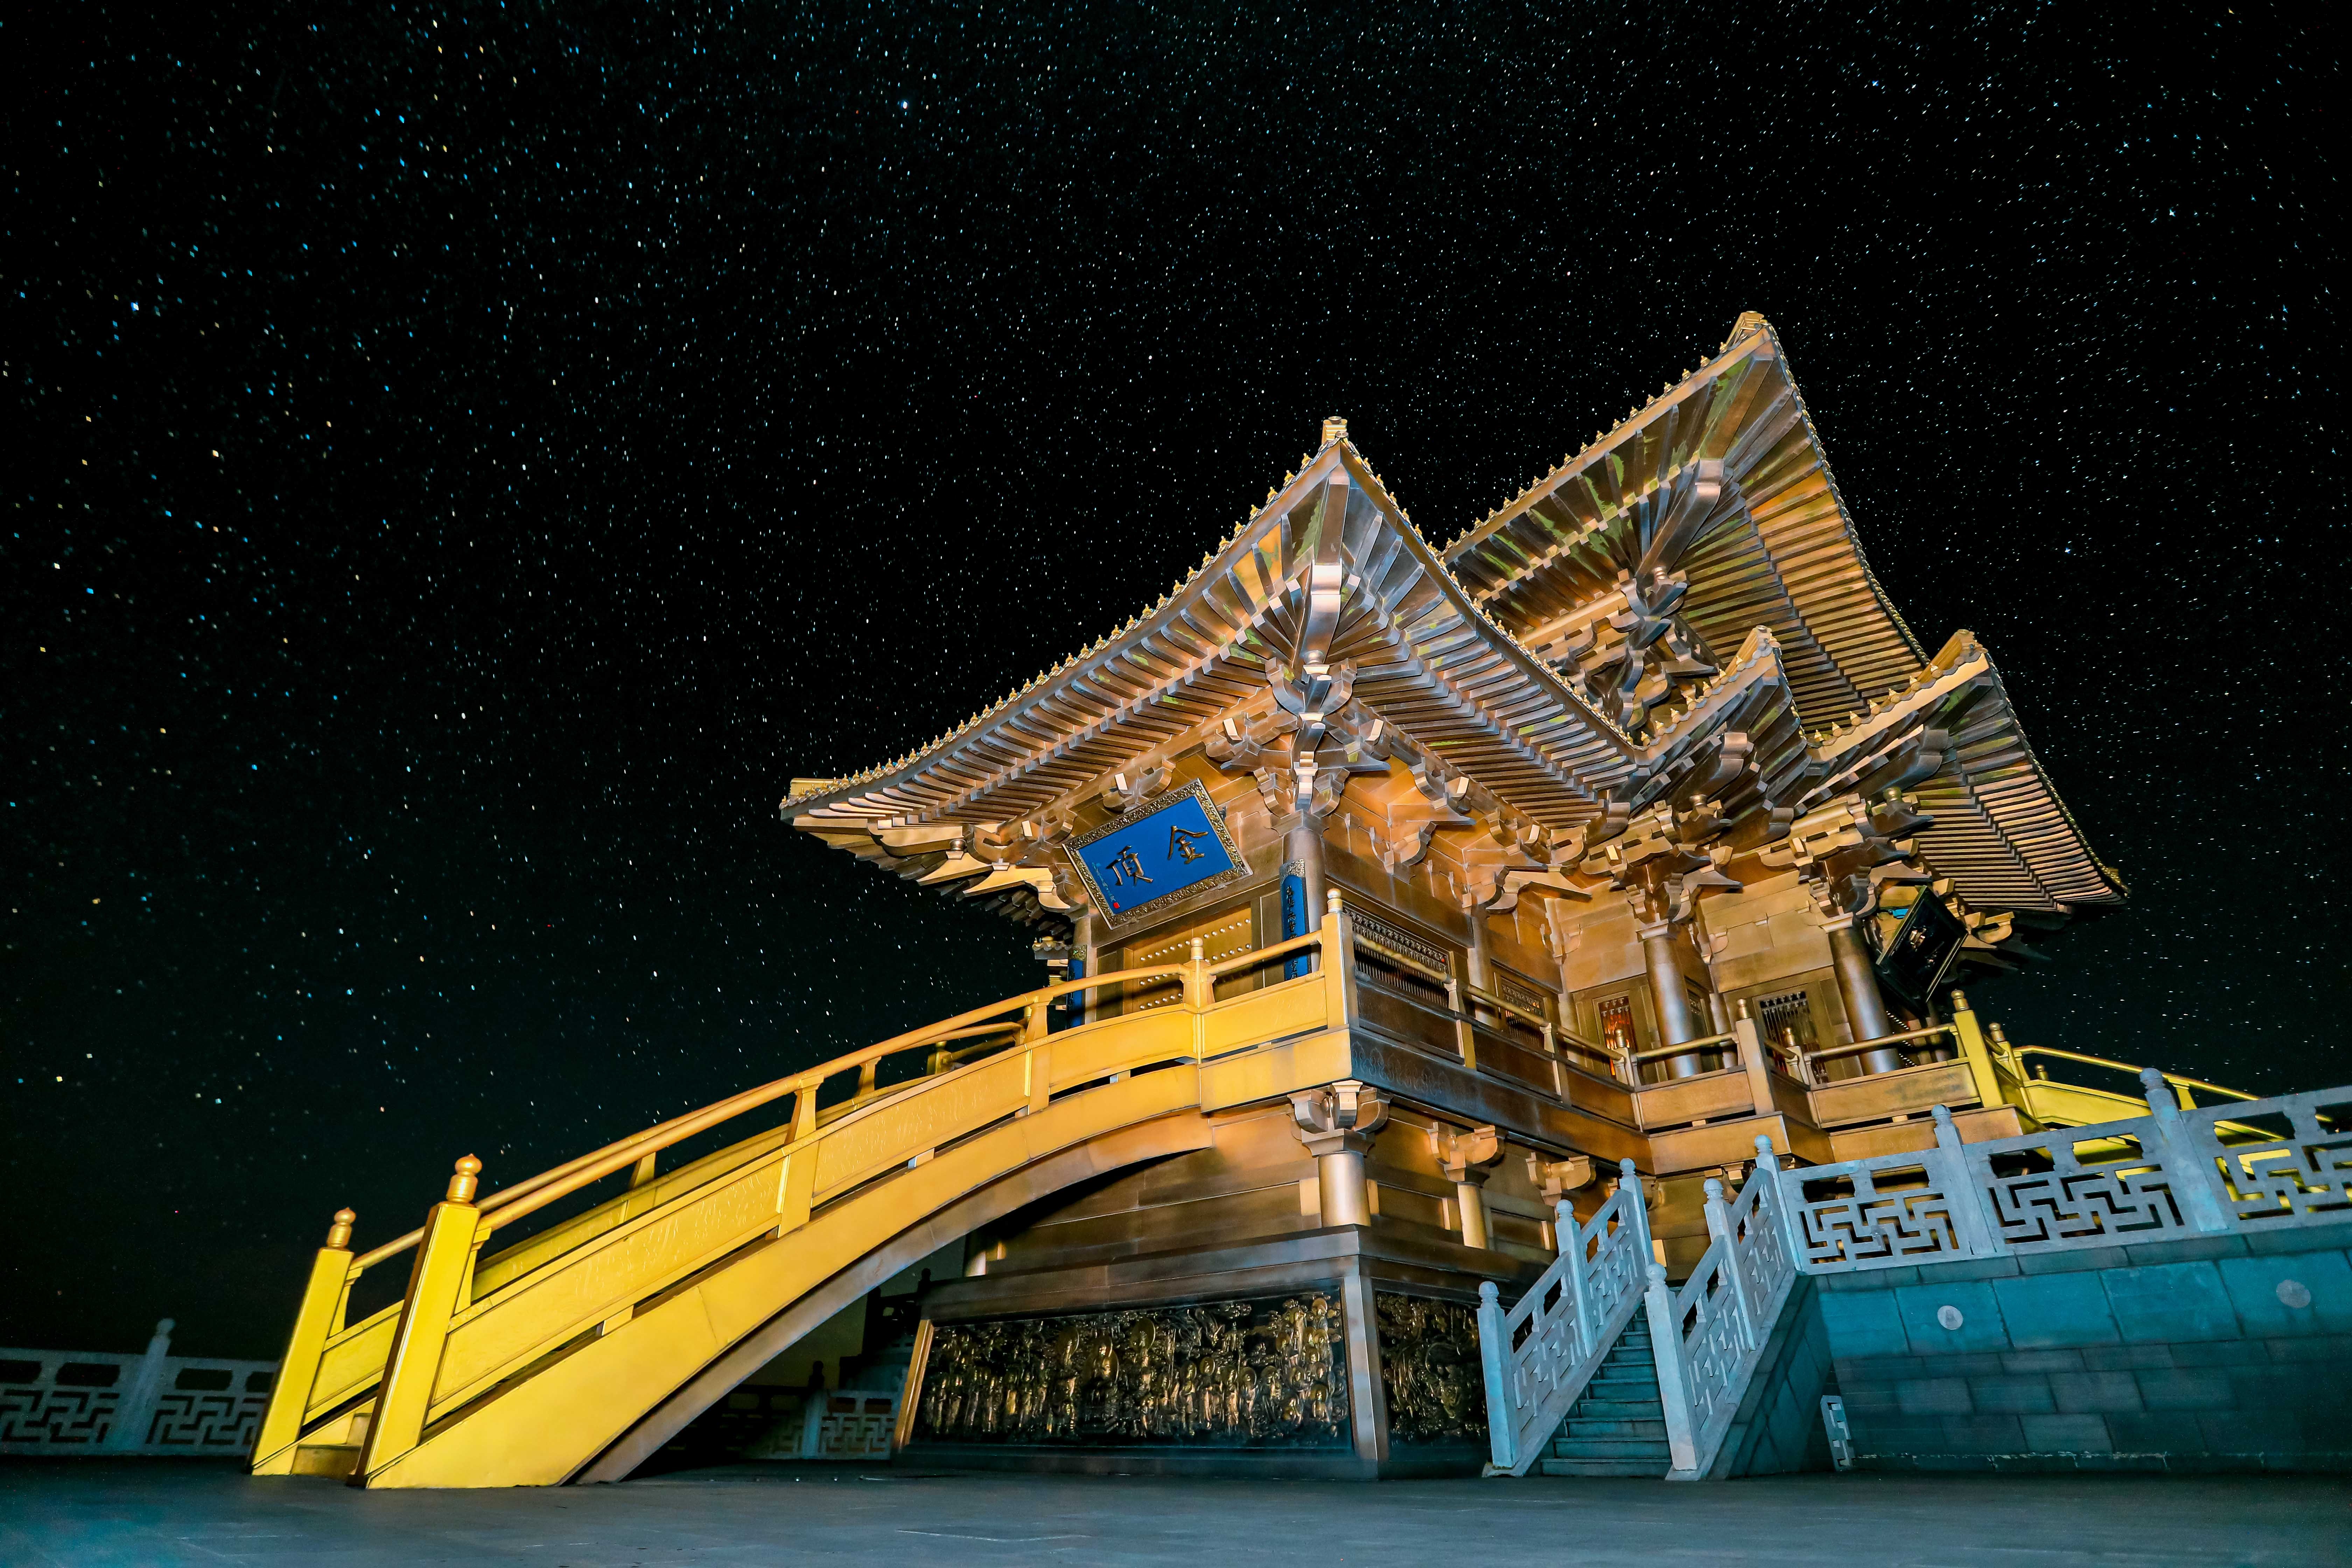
1174 843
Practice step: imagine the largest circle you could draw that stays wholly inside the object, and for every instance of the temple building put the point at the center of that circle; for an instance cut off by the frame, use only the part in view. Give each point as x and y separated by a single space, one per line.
1485 989
1645 752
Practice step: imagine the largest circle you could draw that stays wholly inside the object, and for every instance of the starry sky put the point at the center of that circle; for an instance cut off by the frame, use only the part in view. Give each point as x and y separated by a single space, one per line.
469 458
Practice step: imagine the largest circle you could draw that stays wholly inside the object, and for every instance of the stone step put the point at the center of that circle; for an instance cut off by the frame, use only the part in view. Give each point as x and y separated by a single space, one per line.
1606 1386
1647 1469
1611 1448
1577 1427
336 1459
1650 1410
1618 1425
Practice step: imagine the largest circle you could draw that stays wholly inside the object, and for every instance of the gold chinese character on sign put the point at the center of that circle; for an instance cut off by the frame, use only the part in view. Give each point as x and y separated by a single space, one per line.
1127 866
1180 844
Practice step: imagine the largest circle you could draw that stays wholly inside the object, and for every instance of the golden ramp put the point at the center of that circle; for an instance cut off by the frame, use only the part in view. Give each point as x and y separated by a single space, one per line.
590 1344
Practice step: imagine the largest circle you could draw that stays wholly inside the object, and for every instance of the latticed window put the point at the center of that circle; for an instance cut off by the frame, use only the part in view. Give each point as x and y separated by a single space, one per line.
1787 1020
1399 959
1519 991
1617 1024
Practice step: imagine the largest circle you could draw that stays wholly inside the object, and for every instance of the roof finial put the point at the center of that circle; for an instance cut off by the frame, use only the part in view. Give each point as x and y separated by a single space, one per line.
1334 429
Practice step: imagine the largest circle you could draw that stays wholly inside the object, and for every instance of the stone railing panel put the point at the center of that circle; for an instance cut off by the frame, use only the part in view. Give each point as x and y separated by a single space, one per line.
65 1403
2172 1173
2303 1177
2129 1197
1913 1221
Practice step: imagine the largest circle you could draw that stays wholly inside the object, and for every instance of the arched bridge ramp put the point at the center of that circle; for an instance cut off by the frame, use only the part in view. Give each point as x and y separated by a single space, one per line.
576 1354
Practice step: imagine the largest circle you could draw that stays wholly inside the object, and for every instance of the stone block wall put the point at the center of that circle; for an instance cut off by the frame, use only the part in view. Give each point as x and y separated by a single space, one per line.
1778 1428
2215 1352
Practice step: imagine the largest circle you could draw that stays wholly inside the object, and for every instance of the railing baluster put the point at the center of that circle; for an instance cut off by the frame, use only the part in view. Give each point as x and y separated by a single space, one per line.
315 1323
1580 1289
796 1182
2193 1172
1950 1171
1501 1437
1718 1226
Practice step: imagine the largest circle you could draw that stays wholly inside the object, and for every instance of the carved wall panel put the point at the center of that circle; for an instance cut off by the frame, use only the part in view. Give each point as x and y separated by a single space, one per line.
1269 1373
1429 1368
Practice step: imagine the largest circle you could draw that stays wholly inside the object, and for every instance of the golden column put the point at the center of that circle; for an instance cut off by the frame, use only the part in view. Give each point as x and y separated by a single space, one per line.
1865 1011
1337 1123
1469 1158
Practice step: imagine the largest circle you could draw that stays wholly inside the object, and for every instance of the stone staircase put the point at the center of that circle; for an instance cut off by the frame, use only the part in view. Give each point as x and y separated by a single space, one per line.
1618 1425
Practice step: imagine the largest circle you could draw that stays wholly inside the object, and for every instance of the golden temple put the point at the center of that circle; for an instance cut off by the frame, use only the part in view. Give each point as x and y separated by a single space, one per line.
1411 916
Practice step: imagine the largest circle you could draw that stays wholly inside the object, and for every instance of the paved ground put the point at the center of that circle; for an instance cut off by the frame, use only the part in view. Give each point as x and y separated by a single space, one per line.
99 1514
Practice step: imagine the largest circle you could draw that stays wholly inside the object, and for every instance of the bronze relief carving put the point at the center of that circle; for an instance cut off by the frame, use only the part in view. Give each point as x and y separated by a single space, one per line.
1429 1367
1259 1373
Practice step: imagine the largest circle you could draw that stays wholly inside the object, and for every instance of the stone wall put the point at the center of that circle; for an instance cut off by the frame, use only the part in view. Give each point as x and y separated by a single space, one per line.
2214 1352
1778 1428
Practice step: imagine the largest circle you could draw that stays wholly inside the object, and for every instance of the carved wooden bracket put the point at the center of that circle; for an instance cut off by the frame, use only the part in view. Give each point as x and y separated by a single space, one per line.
1123 792
1469 1156
1338 1116
1558 1178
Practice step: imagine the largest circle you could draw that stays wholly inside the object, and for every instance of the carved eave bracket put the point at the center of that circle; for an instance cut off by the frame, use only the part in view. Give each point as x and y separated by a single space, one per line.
1466 1157
1341 1115
1629 647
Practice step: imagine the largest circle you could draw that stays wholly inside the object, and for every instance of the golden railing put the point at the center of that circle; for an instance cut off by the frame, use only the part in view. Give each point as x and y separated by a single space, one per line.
819 1155
1638 1059
1878 1043
1467 1008
2183 1088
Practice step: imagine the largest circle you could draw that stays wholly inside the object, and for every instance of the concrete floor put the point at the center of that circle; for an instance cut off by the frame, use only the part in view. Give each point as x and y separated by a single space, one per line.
99 1514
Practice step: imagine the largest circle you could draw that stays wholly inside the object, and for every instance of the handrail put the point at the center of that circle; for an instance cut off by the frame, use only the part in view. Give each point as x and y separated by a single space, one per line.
1930 1032
1537 1357
1731 1299
2177 1080
655 1140
1502 1004
1681 1049
1590 1047
628 1151
1259 956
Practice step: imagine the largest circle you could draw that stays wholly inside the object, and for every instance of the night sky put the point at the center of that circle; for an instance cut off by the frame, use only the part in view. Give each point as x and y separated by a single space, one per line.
470 460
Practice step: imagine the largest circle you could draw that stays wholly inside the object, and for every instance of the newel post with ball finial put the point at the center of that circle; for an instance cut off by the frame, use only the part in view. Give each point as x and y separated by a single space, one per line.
317 1320
443 1271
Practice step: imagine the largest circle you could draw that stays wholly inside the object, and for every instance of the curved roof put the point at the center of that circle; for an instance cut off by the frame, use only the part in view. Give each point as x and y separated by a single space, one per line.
1776 550
1720 483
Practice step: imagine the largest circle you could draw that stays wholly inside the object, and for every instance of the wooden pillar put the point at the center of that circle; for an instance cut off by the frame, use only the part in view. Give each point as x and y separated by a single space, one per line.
1469 1158
1480 952
1676 1020
1302 857
1086 961
1337 1124
1858 986
1470 1196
